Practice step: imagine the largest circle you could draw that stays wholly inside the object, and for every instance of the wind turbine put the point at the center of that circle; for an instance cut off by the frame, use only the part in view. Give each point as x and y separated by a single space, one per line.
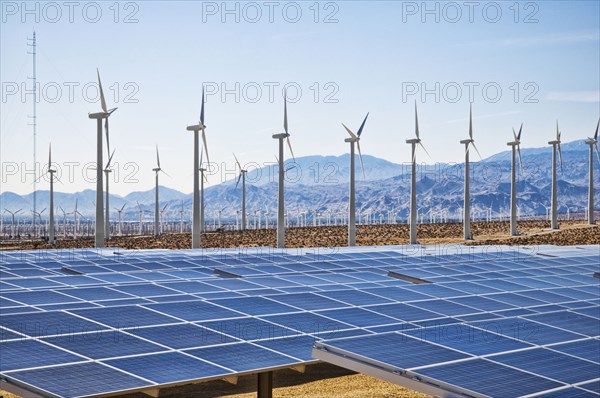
196 229
554 203
516 148
64 221
107 171
593 143
413 182
243 178
39 214
75 220
156 170
99 116
280 195
119 212
51 171
141 211
354 139
468 143
13 214
162 211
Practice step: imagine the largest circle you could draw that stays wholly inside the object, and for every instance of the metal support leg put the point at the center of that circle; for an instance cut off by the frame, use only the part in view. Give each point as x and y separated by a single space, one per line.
265 385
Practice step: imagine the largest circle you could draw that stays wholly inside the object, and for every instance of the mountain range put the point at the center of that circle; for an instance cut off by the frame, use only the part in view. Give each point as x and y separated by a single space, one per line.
320 183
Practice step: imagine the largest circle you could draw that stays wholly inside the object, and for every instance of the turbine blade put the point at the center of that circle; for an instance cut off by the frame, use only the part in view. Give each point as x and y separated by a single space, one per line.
110 159
201 155
205 146
49 155
596 133
352 135
123 206
290 146
238 180
362 166
157 158
202 109
515 135
285 120
520 130
471 121
102 100
237 161
476 150
560 158
520 159
468 147
423 146
557 132
165 173
597 153
416 122
107 136
362 125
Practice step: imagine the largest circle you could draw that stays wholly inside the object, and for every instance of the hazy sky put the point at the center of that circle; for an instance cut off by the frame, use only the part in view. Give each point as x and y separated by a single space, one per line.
346 58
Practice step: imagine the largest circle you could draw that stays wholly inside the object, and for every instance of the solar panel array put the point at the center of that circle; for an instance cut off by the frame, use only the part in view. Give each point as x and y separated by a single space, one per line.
85 322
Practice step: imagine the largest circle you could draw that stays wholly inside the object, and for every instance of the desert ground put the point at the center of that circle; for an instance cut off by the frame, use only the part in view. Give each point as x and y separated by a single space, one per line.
324 380
484 233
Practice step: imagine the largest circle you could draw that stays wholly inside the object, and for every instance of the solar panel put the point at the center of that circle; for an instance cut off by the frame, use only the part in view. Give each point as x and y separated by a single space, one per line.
143 311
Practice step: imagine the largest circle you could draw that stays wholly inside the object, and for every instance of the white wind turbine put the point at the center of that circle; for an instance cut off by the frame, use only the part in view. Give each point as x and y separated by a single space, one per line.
280 195
354 139
516 148
141 211
593 143
468 143
554 203
99 116
39 215
107 171
64 221
14 230
162 213
413 182
120 215
51 171
76 215
242 177
196 226
156 171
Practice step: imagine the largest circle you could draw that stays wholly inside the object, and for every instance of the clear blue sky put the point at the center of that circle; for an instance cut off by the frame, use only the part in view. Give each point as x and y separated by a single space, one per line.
370 57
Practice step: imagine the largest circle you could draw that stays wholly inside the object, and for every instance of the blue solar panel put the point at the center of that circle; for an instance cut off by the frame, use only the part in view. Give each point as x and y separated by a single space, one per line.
248 328
125 316
106 344
242 357
491 379
79 380
194 310
586 349
307 322
20 354
359 317
48 324
168 367
531 332
467 339
182 336
551 364
255 305
407 353
404 312
570 321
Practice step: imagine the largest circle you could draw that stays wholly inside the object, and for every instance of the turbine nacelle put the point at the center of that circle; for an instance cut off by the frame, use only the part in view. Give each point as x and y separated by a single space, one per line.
280 136
196 127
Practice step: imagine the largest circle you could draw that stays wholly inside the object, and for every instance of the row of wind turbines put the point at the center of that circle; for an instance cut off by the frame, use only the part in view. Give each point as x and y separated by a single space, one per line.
198 129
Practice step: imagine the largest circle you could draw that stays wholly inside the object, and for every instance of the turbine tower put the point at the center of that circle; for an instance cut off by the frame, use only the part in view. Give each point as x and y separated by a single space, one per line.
413 182
280 195
156 171
593 143
468 143
99 116
242 176
203 179
51 171
516 148
554 204
196 229
107 171
119 212
354 139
